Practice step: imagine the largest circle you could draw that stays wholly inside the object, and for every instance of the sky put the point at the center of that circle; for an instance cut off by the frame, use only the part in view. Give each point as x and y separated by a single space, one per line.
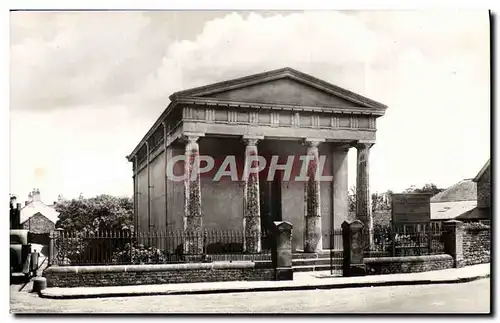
86 86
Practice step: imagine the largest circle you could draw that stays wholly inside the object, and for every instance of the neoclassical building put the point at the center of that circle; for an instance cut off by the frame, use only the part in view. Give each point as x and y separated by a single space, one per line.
279 115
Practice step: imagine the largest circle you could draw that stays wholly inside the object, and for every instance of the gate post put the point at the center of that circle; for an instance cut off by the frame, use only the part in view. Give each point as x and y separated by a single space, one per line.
53 251
453 241
282 250
353 264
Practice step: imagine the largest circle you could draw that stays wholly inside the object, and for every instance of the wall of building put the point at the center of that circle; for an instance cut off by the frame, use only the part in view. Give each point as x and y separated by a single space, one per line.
142 200
222 200
175 192
38 224
157 194
484 189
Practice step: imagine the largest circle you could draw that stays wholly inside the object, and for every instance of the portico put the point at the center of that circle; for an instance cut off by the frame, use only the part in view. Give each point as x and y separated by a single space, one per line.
275 115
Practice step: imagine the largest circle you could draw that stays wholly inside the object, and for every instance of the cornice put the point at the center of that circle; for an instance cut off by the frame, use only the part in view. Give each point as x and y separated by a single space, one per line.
153 128
280 106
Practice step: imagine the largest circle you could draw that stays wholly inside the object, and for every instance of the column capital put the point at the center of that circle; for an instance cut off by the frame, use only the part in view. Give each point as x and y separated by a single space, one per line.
192 137
252 140
342 147
360 145
313 142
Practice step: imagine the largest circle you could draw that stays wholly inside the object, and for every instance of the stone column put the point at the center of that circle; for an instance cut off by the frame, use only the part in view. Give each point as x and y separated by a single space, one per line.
251 199
340 185
363 197
192 198
313 235
453 241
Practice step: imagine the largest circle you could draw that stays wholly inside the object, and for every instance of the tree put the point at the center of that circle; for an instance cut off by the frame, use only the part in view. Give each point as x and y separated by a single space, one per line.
100 213
352 199
427 188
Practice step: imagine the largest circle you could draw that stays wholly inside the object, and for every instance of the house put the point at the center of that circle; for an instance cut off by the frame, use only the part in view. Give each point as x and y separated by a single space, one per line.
280 116
467 200
37 216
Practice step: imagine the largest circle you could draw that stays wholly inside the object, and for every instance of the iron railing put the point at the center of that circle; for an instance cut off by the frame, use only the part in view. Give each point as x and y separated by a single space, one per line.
417 240
333 240
162 247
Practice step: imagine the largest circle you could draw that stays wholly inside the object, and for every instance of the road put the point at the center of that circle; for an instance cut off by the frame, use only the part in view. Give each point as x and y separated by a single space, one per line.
472 297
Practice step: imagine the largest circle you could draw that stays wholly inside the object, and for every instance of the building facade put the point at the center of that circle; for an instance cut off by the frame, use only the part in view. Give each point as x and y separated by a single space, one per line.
36 216
483 180
284 117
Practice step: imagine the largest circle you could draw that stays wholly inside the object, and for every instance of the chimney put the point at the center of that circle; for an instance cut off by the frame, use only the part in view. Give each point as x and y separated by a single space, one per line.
15 216
13 202
36 195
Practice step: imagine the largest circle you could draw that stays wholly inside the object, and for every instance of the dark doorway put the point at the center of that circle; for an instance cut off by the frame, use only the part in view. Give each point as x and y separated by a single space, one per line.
270 200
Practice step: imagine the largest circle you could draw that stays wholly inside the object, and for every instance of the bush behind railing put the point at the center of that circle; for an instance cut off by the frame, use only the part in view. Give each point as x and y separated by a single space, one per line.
125 247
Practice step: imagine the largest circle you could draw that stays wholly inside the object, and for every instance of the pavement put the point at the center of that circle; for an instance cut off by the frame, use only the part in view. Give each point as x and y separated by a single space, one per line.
301 281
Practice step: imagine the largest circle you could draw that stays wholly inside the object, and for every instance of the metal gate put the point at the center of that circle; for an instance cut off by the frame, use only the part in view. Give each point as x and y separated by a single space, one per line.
336 248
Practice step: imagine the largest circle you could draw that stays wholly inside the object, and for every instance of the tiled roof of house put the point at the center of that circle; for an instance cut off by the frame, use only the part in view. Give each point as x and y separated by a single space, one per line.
450 210
465 190
477 213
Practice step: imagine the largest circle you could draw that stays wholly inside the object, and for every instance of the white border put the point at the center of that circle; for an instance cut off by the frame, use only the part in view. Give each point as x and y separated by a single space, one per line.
189 5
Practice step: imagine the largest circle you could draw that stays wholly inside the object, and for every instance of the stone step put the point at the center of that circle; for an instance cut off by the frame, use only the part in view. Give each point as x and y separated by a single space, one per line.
321 255
315 262
297 269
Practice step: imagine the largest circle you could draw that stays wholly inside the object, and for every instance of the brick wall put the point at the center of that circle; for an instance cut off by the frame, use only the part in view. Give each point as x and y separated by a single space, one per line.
397 265
38 224
476 244
484 189
92 276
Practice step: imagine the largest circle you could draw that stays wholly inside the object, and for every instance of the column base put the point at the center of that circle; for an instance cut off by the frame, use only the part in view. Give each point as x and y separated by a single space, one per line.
313 237
252 243
354 270
284 274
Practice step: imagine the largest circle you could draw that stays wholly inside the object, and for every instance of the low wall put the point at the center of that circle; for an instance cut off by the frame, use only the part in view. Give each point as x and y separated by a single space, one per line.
120 275
476 244
413 264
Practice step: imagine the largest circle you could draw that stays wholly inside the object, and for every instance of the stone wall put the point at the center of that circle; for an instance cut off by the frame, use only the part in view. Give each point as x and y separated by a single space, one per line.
476 244
39 224
121 275
397 265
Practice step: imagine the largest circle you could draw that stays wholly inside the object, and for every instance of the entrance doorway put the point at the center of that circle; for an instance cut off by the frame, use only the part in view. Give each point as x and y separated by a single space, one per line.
270 201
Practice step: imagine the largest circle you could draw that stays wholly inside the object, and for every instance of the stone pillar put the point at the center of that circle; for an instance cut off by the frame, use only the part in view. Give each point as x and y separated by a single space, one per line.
352 236
340 185
453 241
251 199
192 198
282 251
313 235
363 197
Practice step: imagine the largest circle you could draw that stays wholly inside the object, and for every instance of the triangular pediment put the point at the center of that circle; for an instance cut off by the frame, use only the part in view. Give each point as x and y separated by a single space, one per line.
283 86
